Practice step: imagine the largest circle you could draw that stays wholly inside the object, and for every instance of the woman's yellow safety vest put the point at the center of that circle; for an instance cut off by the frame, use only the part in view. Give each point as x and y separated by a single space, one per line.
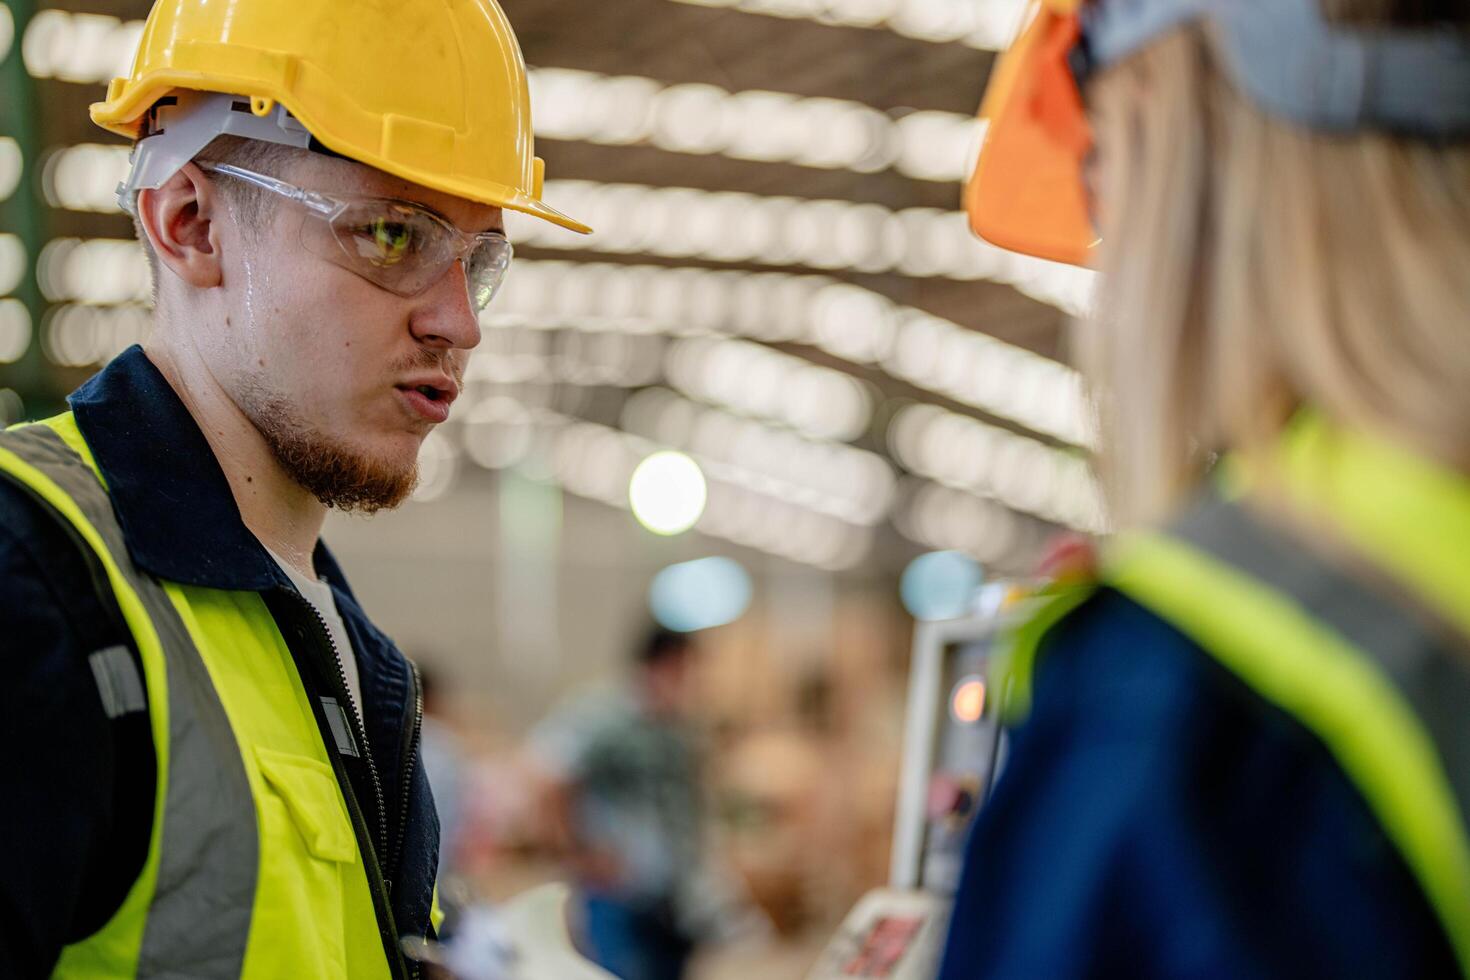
1383 683
253 869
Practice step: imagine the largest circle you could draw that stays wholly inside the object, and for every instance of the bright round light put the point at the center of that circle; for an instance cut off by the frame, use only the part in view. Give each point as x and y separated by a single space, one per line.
940 585
967 702
667 493
701 594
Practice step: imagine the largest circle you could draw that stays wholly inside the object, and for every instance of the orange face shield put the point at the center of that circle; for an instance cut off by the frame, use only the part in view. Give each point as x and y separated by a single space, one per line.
1028 193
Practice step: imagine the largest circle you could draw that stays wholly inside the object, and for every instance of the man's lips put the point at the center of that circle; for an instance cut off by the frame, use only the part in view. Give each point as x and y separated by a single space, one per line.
429 409
429 398
436 387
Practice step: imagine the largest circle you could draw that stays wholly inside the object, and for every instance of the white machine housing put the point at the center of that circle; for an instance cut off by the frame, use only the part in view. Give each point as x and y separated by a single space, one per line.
897 932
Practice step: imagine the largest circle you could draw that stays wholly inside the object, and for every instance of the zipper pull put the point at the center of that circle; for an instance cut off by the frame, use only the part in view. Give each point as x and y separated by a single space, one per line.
341 728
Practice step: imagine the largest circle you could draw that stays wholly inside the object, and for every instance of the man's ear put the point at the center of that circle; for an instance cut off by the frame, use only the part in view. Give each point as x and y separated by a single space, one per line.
179 219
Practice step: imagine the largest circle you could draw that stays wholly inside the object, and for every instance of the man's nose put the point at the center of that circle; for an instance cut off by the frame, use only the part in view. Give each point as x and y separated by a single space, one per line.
445 317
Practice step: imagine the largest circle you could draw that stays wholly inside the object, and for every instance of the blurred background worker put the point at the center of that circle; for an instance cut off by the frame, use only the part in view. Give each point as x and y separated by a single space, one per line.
1248 749
447 765
627 792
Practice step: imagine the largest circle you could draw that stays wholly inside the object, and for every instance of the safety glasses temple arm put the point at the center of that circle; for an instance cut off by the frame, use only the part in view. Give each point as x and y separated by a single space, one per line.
320 203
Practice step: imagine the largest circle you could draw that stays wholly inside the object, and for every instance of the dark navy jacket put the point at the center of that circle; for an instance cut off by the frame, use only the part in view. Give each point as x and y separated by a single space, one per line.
1157 819
77 790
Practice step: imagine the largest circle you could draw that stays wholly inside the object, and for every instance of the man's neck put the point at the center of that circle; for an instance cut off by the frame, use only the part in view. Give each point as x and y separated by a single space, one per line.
278 511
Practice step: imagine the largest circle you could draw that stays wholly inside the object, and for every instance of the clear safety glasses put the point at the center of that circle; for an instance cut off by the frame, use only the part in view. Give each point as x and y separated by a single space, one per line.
399 245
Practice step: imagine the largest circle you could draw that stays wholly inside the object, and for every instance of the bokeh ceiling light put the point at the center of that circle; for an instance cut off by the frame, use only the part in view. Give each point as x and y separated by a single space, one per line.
682 222
79 47
550 349
15 331
94 270
85 177
667 492
856 324
783 528
841 481
438 467
962 452
700 594
767 384
596 461
690 119
497 432
945 518
12 163
999 378
841 319
78 335
937 146
619 110
7 32
12 263
721 226
985 24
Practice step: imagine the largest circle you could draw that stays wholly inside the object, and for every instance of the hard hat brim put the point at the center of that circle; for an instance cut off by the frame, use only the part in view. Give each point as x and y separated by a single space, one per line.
122 113
1027 192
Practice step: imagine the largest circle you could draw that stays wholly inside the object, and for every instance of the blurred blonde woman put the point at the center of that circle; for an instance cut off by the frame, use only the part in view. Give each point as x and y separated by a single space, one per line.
1245 750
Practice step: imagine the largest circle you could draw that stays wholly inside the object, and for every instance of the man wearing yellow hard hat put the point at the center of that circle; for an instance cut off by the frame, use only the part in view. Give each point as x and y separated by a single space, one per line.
216 767
1244 750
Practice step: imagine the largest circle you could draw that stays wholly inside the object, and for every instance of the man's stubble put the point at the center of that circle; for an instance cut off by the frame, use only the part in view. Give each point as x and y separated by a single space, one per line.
338 475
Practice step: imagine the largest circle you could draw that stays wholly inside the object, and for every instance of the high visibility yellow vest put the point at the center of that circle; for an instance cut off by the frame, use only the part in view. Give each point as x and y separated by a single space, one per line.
1386 689
253 869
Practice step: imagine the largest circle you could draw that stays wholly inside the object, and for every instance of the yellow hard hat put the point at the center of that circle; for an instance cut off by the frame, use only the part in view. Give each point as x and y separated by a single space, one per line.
433 91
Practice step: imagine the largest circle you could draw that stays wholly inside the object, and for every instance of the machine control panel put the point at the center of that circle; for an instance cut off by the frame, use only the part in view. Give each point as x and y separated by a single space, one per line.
890 935
967 747
953 750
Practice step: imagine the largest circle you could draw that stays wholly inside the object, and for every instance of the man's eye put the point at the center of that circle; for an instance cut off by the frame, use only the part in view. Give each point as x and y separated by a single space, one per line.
385 241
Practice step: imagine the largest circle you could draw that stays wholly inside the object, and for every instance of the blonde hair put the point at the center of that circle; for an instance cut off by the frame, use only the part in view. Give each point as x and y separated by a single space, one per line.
1252 267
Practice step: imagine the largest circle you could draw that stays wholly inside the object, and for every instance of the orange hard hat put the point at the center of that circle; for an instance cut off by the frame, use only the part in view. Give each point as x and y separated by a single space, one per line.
1027 192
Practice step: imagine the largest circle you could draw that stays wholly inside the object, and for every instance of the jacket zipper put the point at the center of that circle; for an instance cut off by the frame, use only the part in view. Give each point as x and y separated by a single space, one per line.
377 884
359 732
405 781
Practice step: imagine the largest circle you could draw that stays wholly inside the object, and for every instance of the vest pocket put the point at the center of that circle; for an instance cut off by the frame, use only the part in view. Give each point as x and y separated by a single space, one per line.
309 789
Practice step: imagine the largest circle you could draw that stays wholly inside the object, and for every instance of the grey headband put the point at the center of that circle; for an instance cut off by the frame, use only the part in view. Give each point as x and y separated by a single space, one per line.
186 122
1291 62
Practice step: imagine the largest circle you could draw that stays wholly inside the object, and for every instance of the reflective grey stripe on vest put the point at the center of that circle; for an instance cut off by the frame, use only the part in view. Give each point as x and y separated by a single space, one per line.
1431 676
199 919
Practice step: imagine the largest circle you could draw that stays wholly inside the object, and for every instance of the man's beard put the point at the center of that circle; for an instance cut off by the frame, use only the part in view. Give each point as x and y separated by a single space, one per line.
338 476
